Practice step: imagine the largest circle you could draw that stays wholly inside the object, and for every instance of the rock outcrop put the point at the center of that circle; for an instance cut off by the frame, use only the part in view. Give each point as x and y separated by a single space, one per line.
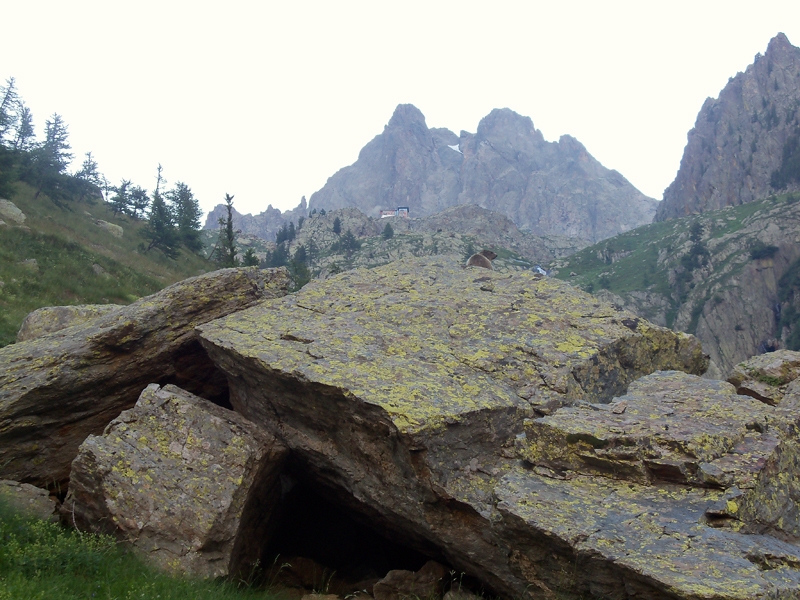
768 377
741 140
10 212
29 500
187 483
58 388
553 188
402 393
55 318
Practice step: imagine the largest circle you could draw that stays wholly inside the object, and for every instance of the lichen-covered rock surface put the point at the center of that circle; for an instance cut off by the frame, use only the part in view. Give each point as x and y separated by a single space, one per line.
402 393
58 388
189 484
664 483
55 318
768 377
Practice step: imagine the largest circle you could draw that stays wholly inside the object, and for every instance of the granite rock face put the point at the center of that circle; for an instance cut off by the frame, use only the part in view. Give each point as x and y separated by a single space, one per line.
55 318
740 138
402 392
58 388
187 483
549 188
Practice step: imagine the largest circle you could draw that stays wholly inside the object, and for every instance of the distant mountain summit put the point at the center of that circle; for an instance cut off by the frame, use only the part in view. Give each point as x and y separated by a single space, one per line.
745 144
551 188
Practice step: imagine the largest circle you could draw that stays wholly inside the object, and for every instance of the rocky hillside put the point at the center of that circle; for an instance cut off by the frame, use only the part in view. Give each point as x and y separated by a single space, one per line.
745 144
460 230
551 188
731 277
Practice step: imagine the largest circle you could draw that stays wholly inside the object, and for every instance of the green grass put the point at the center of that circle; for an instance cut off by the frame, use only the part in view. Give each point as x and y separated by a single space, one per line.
43 560
77 262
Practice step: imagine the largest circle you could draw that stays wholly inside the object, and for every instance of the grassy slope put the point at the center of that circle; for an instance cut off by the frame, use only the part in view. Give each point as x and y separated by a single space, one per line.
44 560
66 244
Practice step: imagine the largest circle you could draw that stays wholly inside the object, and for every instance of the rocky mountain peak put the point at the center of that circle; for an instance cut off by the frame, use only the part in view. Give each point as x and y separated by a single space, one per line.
406 115
507 167
744 143
780 45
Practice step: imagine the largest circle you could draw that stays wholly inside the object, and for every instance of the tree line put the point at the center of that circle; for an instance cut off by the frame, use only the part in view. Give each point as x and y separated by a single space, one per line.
173 215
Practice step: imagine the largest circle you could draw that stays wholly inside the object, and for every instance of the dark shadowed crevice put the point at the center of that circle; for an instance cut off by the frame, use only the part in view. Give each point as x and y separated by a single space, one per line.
311 525
196 373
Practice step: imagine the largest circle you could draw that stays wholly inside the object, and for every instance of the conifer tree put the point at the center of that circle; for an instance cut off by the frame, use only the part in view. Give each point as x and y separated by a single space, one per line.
160 230
24 136
186 209
337 226
225 251
120 201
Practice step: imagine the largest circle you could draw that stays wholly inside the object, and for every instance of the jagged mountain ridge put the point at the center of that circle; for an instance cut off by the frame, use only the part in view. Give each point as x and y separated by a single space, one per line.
739 139
506 166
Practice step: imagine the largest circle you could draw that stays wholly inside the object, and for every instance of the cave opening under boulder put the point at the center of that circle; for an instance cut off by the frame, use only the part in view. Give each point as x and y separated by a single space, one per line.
317 543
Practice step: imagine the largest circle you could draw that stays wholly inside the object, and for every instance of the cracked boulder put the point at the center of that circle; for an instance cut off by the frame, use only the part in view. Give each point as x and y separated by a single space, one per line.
189 484
58 388
402 393
655 491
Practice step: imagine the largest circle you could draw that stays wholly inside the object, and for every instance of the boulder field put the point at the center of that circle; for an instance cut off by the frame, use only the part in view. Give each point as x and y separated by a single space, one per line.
506 425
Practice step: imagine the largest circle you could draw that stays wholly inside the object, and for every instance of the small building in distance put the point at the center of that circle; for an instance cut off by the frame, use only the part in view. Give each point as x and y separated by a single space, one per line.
400 211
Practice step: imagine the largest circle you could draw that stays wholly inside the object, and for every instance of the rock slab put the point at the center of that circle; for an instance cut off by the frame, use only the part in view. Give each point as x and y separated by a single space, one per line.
55 318
189 484
57 389
402 391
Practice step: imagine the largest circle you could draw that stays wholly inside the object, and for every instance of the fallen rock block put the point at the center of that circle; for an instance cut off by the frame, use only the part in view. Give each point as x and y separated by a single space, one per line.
678 428
30 500
189 484
766 377
55 318
57 389
401 390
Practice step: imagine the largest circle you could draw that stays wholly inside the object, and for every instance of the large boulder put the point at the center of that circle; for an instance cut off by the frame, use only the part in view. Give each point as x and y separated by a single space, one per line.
189 484
402 393
57 389
55 318
767 377
650 496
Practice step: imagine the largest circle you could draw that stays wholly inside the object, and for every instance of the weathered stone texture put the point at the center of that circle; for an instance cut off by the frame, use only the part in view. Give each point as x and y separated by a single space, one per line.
189 484
57 389
401 390
55 318
767 377
28 499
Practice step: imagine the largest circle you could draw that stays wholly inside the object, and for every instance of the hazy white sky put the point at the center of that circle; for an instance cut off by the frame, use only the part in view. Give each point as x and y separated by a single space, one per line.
266 100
